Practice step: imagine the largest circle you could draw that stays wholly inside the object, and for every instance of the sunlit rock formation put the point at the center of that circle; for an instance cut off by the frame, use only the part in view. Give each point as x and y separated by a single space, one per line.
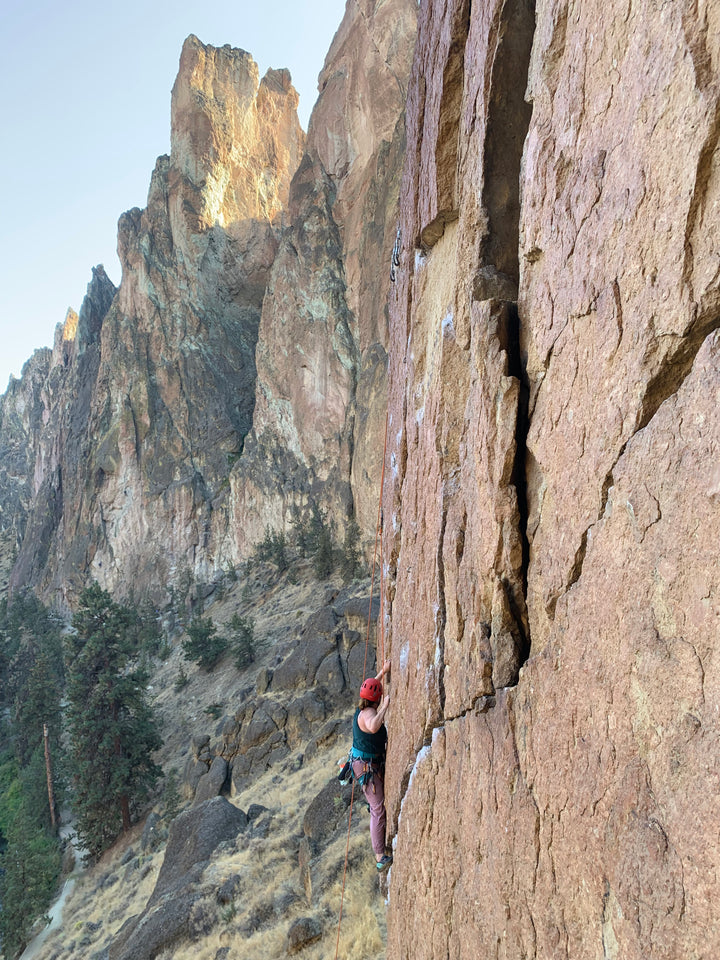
553 511
321 357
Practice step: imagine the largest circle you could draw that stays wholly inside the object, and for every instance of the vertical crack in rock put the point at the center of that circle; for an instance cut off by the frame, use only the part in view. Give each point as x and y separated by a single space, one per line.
440 617
498 274
517 369
507 127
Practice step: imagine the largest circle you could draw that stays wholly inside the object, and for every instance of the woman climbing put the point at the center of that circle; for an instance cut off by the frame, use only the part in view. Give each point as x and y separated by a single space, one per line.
368 757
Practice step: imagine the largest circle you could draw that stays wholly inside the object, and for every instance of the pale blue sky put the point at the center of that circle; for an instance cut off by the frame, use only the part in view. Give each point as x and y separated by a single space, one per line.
85 97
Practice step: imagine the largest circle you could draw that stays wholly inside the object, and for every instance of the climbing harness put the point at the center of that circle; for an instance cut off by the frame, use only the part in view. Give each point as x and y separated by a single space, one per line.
395 259
378 529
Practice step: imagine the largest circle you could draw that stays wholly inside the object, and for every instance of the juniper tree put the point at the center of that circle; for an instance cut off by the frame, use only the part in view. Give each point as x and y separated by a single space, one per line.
324 556
203 643
350 565
112 730
243 640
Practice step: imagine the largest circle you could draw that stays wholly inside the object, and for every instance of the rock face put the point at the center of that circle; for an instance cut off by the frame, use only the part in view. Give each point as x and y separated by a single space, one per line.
553 499
301 701
245 302
175 388
320 399
179 900
170 397
45 420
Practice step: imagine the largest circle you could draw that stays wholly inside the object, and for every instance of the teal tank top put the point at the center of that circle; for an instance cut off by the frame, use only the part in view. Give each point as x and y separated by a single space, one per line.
368 746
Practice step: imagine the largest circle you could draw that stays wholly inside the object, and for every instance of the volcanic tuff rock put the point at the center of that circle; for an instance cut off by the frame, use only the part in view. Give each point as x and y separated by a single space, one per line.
171 483
320 398
169 399
52 433
553 505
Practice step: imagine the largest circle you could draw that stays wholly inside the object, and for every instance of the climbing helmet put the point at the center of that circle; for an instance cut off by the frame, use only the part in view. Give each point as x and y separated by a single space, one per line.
371 690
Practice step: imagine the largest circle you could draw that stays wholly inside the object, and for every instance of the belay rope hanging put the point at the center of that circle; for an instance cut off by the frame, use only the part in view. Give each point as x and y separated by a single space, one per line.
380 659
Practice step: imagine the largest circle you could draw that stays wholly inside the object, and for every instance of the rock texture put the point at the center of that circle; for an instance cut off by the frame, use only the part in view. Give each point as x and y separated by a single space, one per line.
179 906
245 302
300 702
321 357
554 486
51 436
170 397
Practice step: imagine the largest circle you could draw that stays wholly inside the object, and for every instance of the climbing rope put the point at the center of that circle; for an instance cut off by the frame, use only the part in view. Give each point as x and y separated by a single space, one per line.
378 537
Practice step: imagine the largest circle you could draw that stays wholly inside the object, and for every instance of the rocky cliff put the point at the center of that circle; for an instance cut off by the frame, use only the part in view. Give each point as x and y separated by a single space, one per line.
168 397
551 507
45 440
553 501
240 370
320 398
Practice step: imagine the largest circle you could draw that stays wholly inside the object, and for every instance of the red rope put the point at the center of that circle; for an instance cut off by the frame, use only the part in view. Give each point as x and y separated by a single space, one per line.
347 849
378 537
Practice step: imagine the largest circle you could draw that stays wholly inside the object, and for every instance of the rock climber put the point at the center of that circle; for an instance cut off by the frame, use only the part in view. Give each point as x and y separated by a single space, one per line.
368 757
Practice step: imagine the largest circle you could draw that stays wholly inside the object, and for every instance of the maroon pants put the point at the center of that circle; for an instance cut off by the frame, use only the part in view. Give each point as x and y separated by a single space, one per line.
375 795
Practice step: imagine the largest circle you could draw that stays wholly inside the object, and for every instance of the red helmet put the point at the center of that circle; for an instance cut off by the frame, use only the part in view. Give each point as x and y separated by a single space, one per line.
371 690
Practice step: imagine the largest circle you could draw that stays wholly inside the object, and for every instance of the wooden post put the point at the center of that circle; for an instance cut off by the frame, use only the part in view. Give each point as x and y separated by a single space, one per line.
51 794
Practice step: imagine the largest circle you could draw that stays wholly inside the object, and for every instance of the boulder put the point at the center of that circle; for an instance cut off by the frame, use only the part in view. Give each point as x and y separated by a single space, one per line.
154 833
194 835
194 771
226 891
212 783
302 932
300 667
326 811
177 907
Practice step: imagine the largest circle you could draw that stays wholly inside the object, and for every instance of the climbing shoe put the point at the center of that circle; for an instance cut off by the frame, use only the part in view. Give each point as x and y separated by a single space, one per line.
385 862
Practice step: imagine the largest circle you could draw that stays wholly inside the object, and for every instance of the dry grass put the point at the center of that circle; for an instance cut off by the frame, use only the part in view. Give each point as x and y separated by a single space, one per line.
100 903
270 894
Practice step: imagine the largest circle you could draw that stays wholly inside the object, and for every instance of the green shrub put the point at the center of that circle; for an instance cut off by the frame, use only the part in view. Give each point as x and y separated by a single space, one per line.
203 644
243 640
350 562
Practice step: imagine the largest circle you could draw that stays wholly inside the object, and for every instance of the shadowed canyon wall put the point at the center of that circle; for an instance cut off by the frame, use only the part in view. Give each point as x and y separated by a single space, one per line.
320 399
241 368
552 512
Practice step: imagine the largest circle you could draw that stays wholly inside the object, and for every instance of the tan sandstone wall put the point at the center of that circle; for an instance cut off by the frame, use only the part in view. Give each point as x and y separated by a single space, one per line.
552 514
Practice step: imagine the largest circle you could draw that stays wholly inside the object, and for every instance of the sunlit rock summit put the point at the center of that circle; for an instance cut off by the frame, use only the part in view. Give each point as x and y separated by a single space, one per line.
549 362
235 312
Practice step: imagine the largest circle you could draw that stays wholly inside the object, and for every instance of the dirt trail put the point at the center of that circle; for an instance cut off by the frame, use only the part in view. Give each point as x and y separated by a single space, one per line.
56 910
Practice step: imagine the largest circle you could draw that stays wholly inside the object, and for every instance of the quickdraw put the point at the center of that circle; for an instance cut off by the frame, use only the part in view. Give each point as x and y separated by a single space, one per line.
395 260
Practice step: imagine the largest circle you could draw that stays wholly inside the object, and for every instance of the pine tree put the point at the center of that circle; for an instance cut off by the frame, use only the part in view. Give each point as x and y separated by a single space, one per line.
324 557
243 640
279 552
112 731
37 702
31 867
203 644
171 796
350 565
